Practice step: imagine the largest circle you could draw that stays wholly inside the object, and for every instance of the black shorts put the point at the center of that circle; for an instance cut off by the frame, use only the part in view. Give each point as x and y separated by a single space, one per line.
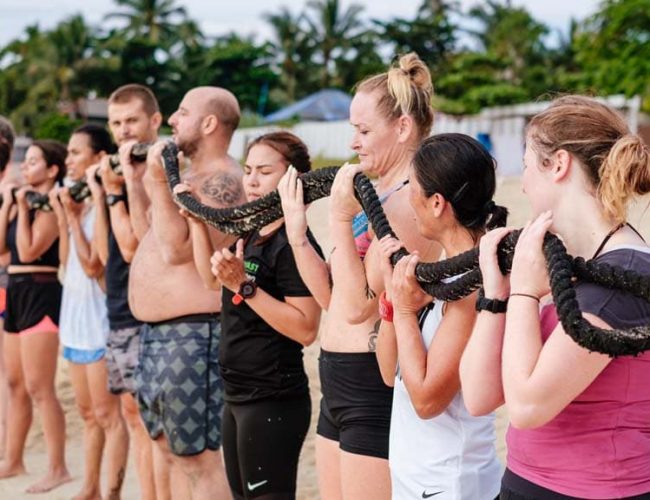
356 405
261 445
179 388
30 298
514 487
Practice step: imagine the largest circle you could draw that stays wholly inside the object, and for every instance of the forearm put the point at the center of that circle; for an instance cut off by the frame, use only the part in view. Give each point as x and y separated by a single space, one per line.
171 228
480 365
87 257
100 232
349 275
5 210
202 249
284 317
139 204
387 352
121 226
314 272
522 345
24 234
411 355
64 242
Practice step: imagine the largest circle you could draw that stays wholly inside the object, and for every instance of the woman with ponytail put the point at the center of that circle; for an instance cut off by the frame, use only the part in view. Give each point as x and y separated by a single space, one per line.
436 446
579 419
391 114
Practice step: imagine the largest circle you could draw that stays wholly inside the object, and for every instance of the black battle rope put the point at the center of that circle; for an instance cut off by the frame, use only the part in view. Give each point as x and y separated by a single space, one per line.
562 267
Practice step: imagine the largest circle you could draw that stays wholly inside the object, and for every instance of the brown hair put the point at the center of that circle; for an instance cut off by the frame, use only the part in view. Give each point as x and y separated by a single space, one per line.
288 145
616 161
405 89
7 138
54 153
127 93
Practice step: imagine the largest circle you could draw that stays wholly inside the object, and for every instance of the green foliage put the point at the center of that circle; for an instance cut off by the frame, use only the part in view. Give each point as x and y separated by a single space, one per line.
55 126
154 42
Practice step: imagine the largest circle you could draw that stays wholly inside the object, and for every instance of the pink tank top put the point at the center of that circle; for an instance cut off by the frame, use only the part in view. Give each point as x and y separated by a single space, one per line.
599 445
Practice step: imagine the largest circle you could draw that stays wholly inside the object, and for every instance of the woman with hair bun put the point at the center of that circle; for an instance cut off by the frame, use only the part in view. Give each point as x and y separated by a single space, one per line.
579 425
391 113
32 316
436 446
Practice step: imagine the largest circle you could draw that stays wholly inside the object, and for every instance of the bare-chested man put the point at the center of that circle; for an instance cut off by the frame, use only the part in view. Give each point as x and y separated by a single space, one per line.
179 385
133 116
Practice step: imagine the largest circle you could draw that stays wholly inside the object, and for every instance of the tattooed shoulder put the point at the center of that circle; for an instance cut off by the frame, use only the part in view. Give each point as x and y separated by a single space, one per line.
223 188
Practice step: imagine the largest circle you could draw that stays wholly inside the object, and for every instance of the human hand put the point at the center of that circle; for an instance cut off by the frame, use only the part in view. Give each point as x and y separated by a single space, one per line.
529 272
495 284
111 182
407 295
132 172
293 207
343 205
228 268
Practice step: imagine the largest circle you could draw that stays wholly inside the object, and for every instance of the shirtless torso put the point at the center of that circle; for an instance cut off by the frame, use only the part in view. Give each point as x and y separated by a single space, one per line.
164 282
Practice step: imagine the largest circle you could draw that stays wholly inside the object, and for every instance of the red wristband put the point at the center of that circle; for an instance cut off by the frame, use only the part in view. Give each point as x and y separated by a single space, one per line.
385 308
237 299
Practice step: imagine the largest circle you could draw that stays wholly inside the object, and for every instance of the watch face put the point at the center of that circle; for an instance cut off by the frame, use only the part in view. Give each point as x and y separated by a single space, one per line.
112 199
248 290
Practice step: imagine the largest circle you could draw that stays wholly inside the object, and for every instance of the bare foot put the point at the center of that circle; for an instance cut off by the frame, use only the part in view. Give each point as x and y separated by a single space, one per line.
49 482
8 470
88 493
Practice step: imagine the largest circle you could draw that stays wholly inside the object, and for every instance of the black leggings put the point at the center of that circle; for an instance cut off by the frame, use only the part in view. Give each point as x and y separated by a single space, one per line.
261 445
514 487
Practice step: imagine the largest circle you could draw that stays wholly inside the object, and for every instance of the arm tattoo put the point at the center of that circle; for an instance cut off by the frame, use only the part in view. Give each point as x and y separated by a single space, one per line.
223 188
372 337
370 293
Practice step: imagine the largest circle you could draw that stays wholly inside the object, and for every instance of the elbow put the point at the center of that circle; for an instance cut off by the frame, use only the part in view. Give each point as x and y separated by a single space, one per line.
356 316
310 337
26 255
477 407
176 256
428 409
526 416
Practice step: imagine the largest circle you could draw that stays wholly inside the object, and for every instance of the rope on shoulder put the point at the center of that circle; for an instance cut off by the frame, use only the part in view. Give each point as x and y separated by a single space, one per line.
562 267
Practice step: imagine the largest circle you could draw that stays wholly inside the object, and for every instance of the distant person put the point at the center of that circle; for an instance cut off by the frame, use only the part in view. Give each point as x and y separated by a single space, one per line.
32 315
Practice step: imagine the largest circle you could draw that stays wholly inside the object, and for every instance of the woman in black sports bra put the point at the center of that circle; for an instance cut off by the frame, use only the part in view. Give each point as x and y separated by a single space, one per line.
33 303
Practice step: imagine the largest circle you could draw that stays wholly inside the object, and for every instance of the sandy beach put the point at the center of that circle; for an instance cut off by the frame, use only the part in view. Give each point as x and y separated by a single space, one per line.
508 194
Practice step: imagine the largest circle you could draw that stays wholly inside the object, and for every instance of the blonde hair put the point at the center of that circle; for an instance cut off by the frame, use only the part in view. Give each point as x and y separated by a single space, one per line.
405 89
616 161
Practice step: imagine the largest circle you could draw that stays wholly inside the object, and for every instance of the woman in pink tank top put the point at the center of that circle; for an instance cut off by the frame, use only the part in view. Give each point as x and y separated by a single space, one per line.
579 420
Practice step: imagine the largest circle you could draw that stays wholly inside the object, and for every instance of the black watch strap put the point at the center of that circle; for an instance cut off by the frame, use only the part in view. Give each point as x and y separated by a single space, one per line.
112 199
494 306
248 289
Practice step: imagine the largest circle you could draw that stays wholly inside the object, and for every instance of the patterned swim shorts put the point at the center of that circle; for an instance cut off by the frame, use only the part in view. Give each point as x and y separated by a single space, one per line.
179 388
122 348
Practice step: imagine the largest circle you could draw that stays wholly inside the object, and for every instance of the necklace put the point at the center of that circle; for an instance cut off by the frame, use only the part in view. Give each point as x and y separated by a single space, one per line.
606 239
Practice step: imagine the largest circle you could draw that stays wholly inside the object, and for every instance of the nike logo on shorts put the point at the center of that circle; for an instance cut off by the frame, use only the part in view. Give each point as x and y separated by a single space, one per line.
429 495
254 486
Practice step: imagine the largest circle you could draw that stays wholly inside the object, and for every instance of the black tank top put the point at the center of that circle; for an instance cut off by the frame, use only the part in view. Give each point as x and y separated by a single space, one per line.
49 258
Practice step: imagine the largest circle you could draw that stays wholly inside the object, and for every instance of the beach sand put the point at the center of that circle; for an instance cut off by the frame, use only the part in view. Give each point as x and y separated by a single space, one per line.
508 194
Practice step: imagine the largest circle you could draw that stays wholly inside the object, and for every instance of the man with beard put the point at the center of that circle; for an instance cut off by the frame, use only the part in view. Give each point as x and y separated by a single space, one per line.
179 387
133 117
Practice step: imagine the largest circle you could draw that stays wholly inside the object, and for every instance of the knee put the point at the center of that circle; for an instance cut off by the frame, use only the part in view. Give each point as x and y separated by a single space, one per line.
16 385
131 413
107 416
39 390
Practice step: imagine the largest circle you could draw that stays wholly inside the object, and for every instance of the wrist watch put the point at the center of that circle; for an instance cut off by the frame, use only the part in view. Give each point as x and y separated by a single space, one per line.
495 306
247 290
112 199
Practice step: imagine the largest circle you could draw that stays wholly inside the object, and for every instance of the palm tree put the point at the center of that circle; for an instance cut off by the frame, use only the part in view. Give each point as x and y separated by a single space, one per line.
152 20
291 47
333 31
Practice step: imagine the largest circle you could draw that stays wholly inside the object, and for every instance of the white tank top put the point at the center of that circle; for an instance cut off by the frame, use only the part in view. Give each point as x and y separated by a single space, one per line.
449 457
84 322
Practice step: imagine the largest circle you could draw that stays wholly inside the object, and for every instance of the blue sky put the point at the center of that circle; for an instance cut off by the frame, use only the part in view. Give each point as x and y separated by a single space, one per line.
244 16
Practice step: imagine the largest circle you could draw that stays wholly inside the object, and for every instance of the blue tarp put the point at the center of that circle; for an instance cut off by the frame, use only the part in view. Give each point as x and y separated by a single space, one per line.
324 105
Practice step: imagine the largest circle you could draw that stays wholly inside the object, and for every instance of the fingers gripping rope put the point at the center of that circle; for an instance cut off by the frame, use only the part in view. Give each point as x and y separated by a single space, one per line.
561 266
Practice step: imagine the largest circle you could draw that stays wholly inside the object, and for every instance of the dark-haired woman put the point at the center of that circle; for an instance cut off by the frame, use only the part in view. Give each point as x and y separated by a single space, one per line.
436 446
267 316
84 322
579 419
31 324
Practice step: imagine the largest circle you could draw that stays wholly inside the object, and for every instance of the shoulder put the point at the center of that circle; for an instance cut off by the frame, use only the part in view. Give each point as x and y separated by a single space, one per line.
222 188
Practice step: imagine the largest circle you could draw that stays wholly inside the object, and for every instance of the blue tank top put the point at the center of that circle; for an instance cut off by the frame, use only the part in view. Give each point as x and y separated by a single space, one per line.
49 258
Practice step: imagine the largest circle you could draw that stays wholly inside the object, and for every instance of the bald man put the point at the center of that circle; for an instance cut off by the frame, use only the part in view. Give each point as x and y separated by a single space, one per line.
180 390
